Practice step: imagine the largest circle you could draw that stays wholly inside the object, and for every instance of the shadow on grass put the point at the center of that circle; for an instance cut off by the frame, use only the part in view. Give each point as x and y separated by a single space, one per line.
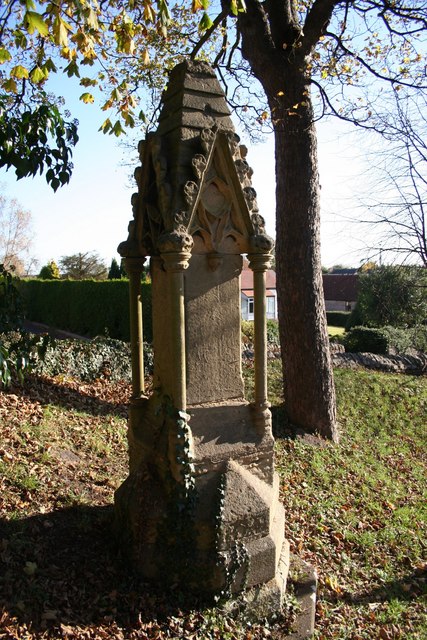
62 568
410 587
69 396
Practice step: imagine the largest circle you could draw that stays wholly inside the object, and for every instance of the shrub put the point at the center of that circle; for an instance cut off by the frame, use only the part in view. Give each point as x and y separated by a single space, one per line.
385 340
338 318
247 331
273 332
90 360
50 271
403 340
365 339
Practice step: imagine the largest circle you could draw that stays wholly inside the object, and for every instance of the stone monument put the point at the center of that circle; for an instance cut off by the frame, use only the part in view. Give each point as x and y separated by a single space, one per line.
201 503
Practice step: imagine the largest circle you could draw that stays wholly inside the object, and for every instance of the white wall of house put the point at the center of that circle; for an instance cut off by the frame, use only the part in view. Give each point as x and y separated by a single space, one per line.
339 305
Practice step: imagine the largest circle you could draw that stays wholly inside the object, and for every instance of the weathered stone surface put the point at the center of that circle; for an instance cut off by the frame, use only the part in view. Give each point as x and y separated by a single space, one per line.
201 504
212 311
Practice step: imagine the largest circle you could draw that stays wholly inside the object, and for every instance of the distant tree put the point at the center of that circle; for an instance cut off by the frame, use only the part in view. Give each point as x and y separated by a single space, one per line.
83 266
15 235
392 295
116 271
367 266
50 271
395 204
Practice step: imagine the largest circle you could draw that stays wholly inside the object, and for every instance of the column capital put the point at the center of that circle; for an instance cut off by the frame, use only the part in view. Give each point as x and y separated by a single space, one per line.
134 264
259 261
176 261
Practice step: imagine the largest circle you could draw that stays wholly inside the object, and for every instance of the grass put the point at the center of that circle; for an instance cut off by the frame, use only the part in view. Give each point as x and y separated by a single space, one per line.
356 511
335 331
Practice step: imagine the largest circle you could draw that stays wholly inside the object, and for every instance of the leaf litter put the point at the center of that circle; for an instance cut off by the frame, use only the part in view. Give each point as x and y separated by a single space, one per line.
355 511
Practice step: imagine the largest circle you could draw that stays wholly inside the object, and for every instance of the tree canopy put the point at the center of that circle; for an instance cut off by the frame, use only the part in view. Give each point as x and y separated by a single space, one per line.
83 266
392 295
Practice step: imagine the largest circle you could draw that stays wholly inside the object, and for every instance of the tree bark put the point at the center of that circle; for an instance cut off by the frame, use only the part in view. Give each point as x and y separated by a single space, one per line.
308 378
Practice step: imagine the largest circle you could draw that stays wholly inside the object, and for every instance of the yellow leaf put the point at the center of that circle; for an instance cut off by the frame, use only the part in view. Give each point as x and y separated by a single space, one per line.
87 98
332 582
34 21
5 56
280 93
264 115
37 75
19 72
145 57
10 86
149 14
60 32
30 568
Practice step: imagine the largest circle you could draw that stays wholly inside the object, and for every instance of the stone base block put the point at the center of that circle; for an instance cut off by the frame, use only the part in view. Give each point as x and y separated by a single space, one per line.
304 579
262 600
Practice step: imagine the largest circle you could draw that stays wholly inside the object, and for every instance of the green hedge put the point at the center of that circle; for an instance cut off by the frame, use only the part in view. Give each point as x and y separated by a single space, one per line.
385 340
367 340
86 307
337 318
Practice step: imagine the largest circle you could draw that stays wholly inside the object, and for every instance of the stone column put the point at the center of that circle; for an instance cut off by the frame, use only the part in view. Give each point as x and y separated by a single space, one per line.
175 264
259 264
134 267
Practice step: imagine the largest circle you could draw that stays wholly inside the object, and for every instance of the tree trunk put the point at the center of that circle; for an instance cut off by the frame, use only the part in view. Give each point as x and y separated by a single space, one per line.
308 379
270 43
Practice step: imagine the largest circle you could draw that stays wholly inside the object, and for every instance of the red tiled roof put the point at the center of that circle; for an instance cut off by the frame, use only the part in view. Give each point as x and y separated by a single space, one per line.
335 286
247 279
340 287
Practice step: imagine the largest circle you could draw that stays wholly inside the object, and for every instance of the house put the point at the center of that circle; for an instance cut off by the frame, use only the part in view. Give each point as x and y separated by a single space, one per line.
247 293
340 291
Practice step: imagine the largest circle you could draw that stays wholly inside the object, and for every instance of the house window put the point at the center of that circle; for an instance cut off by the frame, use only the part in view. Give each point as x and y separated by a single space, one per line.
251 306
271 307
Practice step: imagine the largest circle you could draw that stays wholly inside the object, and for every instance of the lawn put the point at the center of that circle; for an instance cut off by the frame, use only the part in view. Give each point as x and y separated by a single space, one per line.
335 331
356 511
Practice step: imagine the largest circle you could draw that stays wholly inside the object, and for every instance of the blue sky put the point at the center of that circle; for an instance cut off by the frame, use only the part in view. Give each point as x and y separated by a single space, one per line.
92 212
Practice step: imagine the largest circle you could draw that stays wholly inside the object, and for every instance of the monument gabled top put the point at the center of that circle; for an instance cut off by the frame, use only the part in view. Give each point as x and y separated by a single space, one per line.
194 184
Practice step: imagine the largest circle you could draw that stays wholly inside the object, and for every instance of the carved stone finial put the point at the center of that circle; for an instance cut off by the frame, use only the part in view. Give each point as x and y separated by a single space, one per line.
207 138
260 242
251 201
199 165
190 192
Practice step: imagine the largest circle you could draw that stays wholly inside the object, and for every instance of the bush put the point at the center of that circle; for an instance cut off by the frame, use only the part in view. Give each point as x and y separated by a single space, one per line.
90 360
337 318
365 339
385 340
403 340
273 332
247 331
